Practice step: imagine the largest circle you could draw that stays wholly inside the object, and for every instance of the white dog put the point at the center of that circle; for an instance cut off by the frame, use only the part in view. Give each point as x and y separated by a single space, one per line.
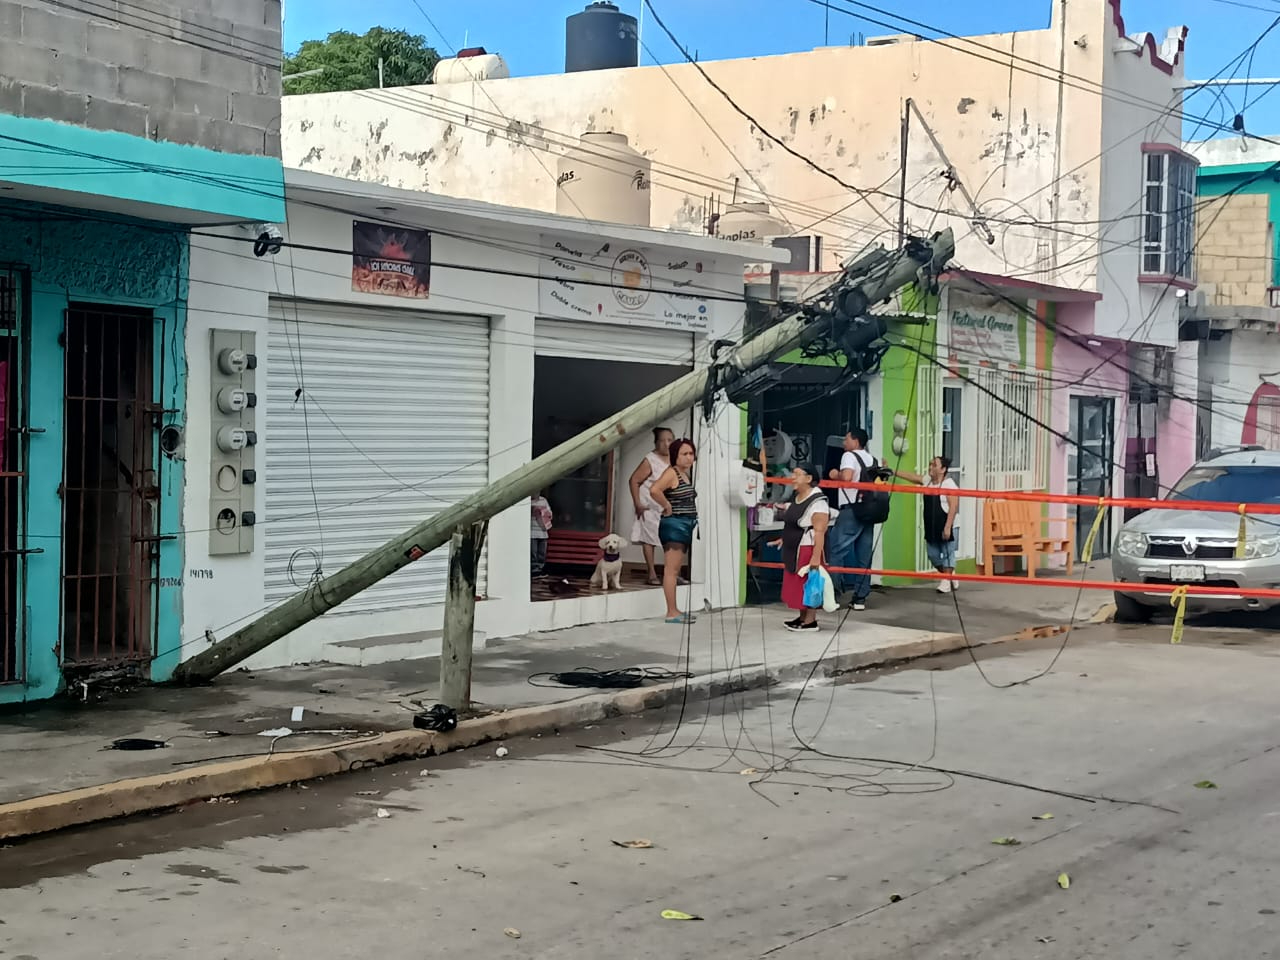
610 565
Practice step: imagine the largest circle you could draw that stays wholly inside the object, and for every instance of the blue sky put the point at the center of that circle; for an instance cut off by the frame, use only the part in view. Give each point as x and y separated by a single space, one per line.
530 33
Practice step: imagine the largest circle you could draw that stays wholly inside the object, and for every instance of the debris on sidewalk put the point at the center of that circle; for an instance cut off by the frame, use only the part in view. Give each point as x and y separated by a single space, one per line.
384 813
501 752
633 844
439 718
512 932
1043 816
1064 881
1007 842
678 915
1206 785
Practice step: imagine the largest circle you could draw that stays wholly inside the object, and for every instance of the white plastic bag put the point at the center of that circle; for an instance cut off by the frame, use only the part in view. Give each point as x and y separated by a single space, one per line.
828 592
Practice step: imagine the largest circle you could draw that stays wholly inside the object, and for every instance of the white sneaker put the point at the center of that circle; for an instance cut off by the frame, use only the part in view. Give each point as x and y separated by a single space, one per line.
944 586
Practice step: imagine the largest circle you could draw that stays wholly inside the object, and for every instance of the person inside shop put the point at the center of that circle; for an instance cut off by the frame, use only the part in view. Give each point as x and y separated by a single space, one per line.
648 514
852 540
677 501
804 537
939 518
539 534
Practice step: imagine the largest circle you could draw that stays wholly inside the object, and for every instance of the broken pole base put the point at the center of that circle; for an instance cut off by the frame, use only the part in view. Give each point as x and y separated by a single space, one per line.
460 616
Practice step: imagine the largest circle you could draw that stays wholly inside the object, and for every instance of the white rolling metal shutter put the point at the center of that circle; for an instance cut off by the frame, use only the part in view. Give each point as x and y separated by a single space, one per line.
587 340
395 429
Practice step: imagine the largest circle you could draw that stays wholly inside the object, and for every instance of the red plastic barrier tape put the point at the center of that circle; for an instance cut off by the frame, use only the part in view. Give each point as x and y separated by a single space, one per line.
1169 589
1204 506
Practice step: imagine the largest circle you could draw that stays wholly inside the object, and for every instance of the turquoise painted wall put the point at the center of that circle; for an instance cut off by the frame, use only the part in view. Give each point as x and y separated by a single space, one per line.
1247 178
105 261
43 153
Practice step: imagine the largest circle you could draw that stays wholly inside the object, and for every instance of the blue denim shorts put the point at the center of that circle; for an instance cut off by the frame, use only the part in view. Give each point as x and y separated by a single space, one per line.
942 554
677 531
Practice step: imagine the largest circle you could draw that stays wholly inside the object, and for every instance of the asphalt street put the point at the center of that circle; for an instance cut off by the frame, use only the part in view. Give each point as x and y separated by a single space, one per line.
760 823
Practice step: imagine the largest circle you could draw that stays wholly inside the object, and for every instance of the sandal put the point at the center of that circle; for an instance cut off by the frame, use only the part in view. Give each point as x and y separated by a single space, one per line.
683 619
654 582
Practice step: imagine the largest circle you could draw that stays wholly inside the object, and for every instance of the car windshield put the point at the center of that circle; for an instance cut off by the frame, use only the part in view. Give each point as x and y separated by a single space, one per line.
1245 484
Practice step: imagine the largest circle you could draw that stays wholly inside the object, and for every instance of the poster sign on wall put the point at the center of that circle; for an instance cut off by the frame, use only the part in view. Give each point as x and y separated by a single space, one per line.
390 260
984 328
583 279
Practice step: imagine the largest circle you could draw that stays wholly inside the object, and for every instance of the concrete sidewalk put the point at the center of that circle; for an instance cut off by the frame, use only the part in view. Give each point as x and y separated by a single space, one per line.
364 715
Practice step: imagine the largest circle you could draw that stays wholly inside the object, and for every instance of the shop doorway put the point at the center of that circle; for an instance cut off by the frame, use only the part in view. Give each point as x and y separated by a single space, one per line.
959 445
12 476
110 495
801 422
570 395
1090 466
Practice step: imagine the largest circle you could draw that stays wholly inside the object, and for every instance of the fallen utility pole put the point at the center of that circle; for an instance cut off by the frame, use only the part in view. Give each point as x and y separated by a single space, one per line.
841 310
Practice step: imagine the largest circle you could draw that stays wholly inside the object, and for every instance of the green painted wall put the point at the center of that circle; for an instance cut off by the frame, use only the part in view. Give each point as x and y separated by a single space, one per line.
65 258
899 394
43 153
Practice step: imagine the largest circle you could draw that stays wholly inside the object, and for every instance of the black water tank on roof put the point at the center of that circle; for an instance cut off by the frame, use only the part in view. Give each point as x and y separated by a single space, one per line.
601 37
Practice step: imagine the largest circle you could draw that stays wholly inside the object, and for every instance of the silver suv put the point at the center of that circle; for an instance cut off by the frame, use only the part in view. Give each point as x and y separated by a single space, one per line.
1166 545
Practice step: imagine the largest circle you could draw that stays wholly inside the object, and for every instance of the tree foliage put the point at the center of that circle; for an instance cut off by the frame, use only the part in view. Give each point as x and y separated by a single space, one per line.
350 61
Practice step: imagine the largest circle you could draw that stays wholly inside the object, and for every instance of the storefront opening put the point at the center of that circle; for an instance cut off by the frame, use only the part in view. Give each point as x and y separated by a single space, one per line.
800 424
569 396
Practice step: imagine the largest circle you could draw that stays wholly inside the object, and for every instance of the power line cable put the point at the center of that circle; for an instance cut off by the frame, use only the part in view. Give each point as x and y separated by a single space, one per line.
1054 76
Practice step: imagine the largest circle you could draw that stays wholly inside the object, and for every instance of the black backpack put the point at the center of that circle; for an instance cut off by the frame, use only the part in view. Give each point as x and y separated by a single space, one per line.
872 506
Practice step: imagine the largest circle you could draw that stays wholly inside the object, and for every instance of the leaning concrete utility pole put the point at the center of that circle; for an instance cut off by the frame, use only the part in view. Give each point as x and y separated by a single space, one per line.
839 312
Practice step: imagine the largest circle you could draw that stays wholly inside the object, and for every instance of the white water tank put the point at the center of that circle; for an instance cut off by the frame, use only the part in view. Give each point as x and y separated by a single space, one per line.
474 63
748 223
604 178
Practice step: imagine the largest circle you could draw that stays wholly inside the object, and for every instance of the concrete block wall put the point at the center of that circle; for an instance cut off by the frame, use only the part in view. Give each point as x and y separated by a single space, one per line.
198 72
1234 249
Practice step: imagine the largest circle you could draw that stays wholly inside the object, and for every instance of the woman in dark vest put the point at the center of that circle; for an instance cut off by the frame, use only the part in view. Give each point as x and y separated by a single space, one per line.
804 537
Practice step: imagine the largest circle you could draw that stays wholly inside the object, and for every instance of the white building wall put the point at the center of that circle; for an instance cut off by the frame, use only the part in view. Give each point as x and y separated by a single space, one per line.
1147 111
230 289
1234 367
993 103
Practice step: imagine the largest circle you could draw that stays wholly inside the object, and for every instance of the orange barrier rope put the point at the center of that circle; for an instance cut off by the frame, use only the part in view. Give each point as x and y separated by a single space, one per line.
1169 589
1204 506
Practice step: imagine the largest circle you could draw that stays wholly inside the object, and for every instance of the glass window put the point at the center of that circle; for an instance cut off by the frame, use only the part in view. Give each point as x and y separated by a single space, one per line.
1247 484
1168 207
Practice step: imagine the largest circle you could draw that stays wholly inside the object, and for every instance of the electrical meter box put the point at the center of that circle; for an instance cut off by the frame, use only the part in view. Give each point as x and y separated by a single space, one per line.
233 432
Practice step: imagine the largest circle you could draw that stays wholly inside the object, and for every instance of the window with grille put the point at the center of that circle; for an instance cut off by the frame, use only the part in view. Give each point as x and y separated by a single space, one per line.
1168 215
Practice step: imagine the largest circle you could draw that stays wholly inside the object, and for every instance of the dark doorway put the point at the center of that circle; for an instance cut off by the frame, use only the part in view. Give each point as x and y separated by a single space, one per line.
1091 464
110 496
815 422
570 395
12 477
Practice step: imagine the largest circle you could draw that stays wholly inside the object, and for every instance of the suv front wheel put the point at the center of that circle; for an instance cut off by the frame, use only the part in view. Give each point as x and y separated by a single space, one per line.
1129 610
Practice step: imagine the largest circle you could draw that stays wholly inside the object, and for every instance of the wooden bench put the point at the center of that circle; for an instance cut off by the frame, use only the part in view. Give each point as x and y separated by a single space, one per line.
1017 529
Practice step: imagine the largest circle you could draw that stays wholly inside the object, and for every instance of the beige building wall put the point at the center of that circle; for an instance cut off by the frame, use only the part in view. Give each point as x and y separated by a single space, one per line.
1029 147
1232 254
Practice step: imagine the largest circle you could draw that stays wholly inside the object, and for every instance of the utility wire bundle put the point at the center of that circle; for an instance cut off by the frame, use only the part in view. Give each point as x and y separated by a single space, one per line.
622 679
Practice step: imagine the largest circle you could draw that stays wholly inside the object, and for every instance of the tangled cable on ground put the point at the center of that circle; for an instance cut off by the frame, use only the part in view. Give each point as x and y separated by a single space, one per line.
624 678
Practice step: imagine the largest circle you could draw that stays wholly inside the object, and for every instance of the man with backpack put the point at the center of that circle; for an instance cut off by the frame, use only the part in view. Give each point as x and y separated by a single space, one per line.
853 538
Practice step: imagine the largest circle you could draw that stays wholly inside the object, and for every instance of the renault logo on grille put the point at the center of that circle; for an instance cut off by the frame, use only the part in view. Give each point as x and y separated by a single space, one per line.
1189 546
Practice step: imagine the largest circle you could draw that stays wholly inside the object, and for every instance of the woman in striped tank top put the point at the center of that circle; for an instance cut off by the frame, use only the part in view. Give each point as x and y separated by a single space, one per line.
675 496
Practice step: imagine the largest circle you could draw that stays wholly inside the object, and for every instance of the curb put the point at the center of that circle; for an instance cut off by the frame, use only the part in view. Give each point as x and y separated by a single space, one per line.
123 798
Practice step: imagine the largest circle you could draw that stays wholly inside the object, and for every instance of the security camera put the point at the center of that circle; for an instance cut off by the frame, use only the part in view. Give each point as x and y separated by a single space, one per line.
269 240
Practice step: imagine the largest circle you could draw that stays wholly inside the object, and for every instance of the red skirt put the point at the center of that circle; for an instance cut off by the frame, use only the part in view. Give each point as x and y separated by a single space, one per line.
793 583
